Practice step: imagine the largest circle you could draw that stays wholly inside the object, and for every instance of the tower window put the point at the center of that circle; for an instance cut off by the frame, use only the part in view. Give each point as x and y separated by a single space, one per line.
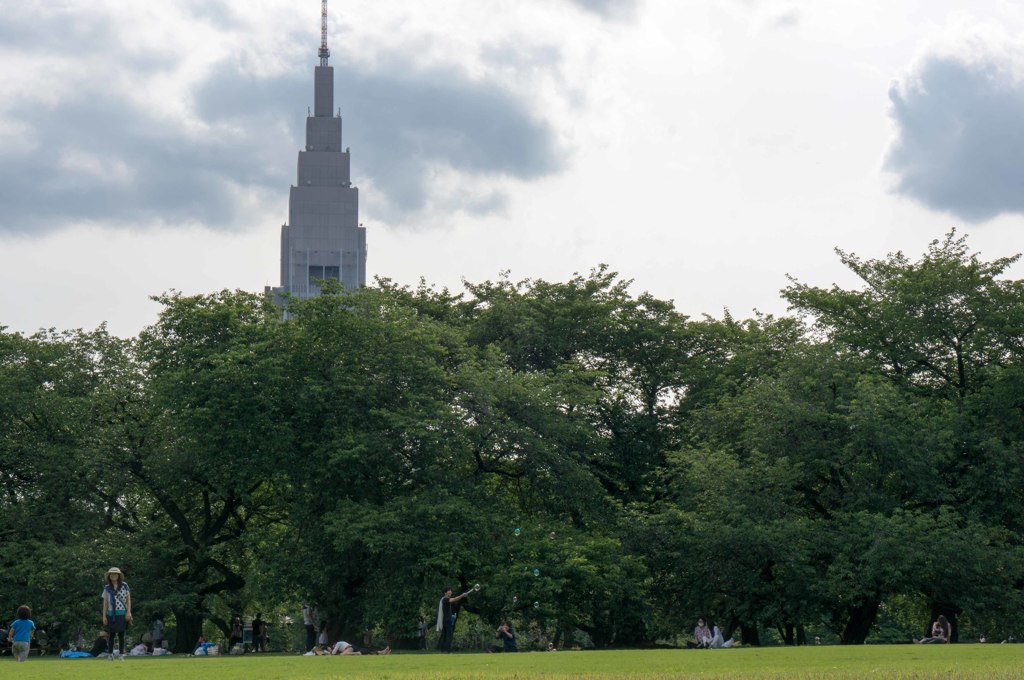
318 273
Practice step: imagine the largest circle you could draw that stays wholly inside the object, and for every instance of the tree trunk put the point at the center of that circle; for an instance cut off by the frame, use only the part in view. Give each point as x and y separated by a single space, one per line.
789 634
750 635
859 624
734 623
801 636
188 628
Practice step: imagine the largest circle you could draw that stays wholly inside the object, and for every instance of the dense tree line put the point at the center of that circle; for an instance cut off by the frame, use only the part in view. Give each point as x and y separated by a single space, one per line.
600 462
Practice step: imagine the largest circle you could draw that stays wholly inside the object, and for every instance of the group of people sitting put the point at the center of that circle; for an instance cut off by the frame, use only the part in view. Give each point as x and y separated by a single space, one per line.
145 647
709 637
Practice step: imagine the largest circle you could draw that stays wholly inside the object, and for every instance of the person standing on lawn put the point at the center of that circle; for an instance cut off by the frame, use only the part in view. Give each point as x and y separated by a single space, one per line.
117 610
446 619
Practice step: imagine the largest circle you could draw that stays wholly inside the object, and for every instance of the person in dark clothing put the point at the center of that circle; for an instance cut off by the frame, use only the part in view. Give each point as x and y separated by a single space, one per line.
446 619
100 646
507 634
259 633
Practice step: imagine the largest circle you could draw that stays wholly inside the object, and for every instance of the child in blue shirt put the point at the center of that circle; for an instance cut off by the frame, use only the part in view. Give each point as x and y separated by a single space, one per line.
20 633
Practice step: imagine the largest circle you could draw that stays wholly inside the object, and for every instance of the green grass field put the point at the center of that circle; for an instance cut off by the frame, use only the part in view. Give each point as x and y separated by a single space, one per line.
948 662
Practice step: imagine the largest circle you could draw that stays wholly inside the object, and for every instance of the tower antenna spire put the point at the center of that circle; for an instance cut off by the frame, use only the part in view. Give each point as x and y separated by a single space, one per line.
324 52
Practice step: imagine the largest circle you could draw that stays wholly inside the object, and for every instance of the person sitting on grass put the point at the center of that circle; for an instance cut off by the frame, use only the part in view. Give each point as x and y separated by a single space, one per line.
100 646
702 635
717 639
940 632
507 634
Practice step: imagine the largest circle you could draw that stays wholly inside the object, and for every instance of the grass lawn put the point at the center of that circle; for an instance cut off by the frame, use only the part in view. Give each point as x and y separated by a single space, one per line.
948 662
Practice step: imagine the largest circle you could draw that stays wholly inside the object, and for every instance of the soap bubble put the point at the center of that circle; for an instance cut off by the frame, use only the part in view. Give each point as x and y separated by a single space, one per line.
552 535
476 587
536 605
515 599
517 531
536 571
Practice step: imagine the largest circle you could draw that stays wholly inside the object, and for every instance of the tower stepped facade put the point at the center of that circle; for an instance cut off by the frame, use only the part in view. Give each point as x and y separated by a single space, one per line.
323 238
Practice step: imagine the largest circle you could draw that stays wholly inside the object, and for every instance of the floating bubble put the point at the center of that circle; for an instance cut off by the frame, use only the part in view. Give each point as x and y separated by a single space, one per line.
515 599
517 531
536 571
552 535
536 605
476 587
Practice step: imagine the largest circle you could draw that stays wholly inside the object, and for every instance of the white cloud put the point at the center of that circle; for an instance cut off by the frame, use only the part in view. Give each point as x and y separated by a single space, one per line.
617 9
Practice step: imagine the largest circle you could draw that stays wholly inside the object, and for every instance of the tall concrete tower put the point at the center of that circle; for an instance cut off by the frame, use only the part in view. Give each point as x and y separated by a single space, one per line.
322 239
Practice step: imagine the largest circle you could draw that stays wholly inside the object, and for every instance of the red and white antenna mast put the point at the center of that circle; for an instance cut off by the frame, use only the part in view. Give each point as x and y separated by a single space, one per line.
324 52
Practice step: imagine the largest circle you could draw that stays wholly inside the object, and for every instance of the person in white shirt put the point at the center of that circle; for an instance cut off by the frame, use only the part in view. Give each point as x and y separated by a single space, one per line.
309 621
347 649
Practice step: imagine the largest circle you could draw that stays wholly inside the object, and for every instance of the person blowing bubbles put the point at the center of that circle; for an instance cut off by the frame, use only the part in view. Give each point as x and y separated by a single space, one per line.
446 618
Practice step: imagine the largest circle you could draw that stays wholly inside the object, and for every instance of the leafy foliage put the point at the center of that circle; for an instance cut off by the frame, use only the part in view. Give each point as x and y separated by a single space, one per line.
606 467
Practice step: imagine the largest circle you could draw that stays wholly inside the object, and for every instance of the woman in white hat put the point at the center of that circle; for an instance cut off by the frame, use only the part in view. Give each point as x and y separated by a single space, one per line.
117 610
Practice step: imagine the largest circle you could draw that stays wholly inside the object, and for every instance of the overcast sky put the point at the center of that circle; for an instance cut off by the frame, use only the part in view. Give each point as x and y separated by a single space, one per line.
704 149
